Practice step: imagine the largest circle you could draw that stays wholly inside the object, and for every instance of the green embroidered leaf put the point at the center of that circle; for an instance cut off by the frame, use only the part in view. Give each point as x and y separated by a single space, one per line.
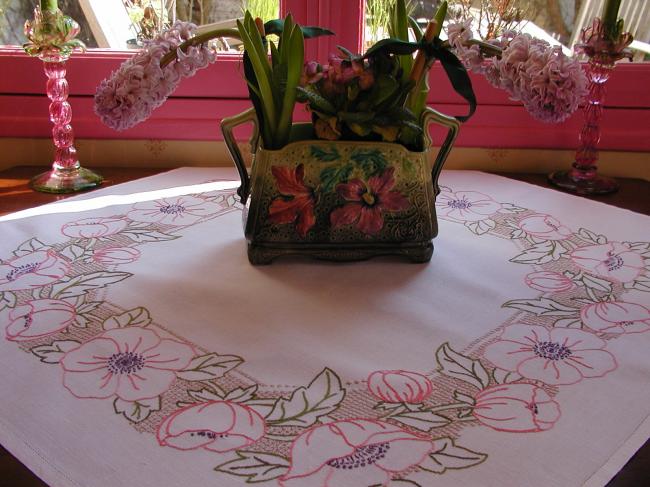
481 227
331 176
209 366
510 208
591 237
76 286
325 155
147 235
422 420
642 248
568 323
641 284
134 317
52 354
372 162
73 252
462 397
241 395
206 395
29 246
84 308
459 366
136 411
448 455
542 307
540 253
7 300
255 466
501 376
321 397
592 282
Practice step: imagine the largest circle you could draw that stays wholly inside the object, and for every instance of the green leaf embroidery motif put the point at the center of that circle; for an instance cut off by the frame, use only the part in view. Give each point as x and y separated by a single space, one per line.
541 307
142 235
52 354
451 456
459 366
591 237
255 466
540 253
136 411
210 366
422 420
481 227
7 300
134 317
306 404
29 246
76 286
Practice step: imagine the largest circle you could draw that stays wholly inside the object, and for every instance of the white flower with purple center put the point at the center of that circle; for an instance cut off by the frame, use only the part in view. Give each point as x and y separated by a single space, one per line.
179 210
32 270
465 206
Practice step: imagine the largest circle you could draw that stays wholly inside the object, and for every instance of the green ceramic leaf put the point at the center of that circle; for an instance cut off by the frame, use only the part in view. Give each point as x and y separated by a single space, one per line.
333 175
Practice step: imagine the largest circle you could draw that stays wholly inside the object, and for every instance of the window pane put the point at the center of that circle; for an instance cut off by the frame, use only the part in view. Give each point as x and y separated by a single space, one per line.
126 24
556 21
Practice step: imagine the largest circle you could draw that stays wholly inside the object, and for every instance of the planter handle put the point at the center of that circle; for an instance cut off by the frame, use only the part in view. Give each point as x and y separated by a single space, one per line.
429 115
227 126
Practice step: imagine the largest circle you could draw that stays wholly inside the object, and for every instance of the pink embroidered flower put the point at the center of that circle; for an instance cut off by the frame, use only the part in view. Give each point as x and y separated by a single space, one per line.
296 203
616 317
218 426
612 260
94 227
177 210
556 356
517 408
39 318
544 227
116 255
465 206
353 452
399 386
133 363
548 281
140 85
32 270
367 202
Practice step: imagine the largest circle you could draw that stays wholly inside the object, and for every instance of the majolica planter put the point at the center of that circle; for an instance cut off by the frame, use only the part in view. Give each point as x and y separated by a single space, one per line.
339 200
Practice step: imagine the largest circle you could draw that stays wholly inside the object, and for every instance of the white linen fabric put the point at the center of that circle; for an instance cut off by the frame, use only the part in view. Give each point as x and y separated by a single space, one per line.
139 347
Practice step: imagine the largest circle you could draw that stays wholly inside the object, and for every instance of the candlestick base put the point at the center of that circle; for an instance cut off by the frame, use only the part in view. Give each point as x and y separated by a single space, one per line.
593 185
66 181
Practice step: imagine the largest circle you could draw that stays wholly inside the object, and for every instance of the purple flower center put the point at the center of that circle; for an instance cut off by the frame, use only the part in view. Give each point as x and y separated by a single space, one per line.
28 320
125 363
172 209
459 204
614 262
361 457
209 434
533 408
551 350
21 270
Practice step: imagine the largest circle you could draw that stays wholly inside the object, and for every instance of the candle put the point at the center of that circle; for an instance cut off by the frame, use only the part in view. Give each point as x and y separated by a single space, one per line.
49 6
610 17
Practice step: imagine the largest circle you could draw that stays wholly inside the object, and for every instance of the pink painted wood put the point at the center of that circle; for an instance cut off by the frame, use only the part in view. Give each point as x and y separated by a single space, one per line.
201 102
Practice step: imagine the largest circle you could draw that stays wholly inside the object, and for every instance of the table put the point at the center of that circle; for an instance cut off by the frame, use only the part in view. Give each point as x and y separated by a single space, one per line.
14 195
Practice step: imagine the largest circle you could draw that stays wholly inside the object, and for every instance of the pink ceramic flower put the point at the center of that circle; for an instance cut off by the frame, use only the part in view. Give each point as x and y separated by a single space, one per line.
133 363
296 203
140 85
556 356
465 206
94 227
367 202
616 317
116 255
544 227
177 210
32 270
549 281
399 386
39 318
612 260
517 408
352 453
218 426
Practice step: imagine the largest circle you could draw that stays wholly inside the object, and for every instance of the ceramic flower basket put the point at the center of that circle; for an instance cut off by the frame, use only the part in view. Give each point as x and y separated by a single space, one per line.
339 200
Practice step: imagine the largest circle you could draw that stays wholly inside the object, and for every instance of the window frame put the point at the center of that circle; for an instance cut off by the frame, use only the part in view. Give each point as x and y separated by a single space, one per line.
194 110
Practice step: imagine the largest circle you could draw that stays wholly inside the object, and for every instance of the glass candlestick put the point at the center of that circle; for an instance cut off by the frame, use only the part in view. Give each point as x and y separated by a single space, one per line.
603 51
66 175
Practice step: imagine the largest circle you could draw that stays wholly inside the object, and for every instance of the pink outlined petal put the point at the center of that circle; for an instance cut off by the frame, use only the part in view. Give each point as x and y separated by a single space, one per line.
144 384
593 363
95 384
169 355
91 356
506 354
552 372
404 454
576 339
133 339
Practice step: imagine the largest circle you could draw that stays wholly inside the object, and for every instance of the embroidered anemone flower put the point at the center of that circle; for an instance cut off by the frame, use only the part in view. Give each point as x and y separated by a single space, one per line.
367 202
133 363
296 201
616 317
218 426
517 408
612 260
94 227
178 210
353 452
465 206
140 85
39 318
556 356
32 270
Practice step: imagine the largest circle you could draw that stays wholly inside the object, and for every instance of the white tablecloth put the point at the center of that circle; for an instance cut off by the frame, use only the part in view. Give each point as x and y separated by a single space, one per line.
141 348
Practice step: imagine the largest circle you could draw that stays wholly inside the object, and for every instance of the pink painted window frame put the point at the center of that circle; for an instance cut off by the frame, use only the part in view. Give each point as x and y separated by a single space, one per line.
195 109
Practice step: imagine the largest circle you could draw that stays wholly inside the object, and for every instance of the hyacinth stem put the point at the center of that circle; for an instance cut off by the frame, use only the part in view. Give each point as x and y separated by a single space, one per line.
197 40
